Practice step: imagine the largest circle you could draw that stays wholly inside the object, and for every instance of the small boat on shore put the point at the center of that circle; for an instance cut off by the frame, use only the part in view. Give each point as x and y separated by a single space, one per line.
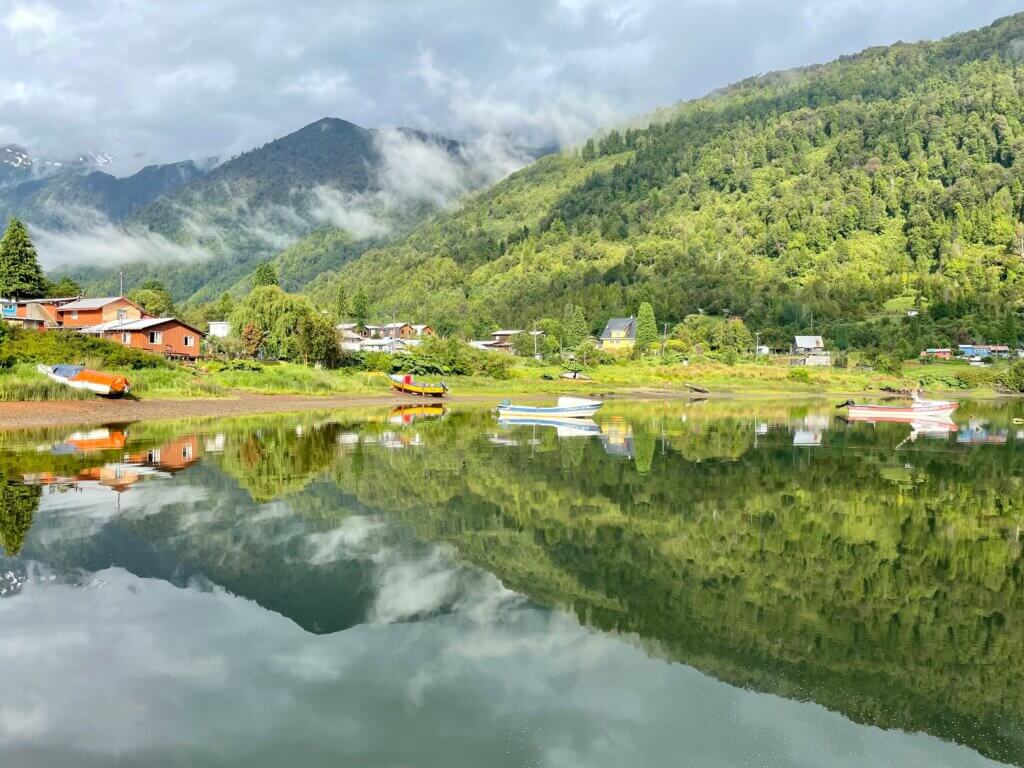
405 383
80 377
567 407
918 410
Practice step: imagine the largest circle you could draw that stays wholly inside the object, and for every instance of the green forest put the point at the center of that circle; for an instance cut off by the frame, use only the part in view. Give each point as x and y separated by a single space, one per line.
829 199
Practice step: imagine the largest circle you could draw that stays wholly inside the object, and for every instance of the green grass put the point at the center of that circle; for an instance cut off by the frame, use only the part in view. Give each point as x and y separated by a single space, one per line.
23 382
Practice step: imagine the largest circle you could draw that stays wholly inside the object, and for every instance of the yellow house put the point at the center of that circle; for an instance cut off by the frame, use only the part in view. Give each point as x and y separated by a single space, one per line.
619 334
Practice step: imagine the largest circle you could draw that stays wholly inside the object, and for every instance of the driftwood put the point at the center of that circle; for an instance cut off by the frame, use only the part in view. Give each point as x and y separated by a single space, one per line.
695 388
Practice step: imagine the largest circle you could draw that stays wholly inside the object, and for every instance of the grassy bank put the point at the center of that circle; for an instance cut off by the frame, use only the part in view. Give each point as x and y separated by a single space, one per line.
23 382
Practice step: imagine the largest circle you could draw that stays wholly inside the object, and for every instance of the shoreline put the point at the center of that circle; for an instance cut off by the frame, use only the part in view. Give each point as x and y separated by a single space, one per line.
33 414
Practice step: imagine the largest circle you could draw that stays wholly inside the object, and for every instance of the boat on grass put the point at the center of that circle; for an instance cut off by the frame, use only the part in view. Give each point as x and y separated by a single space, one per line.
567 407
80 377
405 383
918 409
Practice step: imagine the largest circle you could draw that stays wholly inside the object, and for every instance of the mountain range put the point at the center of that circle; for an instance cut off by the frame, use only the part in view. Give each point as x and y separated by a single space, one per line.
834 197
831 198
204 232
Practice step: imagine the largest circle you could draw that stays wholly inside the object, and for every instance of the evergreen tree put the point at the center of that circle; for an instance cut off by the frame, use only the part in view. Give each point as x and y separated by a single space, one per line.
361 307
265 275
341 302
20 275
574 326
63 288
646 328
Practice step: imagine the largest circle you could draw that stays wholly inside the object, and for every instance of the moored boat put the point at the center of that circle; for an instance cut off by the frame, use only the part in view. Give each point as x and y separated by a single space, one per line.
918 409
406 384
80 377
567 407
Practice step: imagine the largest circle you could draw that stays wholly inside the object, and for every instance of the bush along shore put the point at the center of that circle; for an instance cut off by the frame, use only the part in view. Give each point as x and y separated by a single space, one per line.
467 371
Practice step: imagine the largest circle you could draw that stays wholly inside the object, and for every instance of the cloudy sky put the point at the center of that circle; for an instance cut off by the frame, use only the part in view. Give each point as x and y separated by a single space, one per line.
159 81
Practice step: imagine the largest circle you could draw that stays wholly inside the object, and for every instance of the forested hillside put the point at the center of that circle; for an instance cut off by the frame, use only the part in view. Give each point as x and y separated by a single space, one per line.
248 209
831 198
65 199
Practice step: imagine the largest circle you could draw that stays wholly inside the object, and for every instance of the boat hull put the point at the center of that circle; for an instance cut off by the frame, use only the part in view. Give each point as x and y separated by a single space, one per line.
103 384
901 412
399 384
526 411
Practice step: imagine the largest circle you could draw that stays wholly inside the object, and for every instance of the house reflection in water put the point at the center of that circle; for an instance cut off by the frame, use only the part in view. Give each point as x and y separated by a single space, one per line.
173 456
617 437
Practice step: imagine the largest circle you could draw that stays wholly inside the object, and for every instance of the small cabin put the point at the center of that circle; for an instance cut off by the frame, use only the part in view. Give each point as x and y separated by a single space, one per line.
937 353
810 351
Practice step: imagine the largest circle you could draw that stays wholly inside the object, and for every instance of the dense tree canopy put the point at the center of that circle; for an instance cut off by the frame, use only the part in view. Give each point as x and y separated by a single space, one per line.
20 274
833 197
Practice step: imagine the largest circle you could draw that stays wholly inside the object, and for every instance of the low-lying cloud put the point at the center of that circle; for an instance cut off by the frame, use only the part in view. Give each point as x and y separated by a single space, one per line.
415 169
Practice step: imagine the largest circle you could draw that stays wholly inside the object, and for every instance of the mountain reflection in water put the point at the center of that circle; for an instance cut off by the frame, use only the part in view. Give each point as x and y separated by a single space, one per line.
871 569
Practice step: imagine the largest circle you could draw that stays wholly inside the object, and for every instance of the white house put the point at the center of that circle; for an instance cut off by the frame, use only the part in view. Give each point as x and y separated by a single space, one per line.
220 328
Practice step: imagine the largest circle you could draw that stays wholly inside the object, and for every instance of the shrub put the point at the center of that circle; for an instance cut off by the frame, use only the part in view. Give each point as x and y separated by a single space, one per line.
799 373
381 362
1012 377
497 366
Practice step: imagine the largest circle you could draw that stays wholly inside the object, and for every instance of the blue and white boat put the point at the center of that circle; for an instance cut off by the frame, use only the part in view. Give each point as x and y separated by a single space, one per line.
567 407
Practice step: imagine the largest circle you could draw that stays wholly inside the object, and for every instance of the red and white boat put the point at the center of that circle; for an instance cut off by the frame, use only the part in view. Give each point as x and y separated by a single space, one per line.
919 410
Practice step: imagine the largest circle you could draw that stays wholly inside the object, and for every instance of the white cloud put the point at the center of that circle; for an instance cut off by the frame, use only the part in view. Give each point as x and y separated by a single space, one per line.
106 244
322 85
31 20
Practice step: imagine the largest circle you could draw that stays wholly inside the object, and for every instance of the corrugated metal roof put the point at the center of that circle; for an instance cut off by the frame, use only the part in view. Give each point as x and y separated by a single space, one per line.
809 342
90 303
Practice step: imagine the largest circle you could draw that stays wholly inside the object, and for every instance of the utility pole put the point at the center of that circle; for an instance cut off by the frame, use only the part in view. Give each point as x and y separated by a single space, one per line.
757 342
120 272
664 338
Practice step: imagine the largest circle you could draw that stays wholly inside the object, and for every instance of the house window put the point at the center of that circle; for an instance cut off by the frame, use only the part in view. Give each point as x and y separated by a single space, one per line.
156 337
122 315
74 314
126 338
189 341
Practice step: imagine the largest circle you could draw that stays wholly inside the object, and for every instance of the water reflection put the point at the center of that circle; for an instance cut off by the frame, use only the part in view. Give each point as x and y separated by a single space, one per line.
877 575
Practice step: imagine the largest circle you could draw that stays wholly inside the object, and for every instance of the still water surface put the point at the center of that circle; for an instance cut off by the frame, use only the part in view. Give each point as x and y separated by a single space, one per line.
679 584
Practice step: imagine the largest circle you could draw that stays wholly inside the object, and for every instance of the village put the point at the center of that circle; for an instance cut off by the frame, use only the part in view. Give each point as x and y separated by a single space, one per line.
123 321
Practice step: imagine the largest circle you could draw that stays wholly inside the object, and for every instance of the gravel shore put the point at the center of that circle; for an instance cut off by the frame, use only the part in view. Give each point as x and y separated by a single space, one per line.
19 415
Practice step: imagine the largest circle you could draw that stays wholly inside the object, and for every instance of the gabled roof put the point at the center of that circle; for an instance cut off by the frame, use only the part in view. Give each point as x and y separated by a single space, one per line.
34 312
91 303
137 325
396 325
512 332
64 300
347 326
619 324
809 342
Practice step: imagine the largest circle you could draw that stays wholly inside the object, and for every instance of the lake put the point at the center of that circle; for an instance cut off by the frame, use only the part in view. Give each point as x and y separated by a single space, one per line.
675 584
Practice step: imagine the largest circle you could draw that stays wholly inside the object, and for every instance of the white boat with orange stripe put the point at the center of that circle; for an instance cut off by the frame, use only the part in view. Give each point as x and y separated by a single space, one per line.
919 409
80 377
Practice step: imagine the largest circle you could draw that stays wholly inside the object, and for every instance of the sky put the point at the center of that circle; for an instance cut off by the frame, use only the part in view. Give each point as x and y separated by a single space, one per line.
150 81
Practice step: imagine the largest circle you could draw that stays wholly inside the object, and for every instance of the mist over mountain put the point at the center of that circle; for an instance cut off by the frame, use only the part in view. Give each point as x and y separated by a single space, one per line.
835 195
206 234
